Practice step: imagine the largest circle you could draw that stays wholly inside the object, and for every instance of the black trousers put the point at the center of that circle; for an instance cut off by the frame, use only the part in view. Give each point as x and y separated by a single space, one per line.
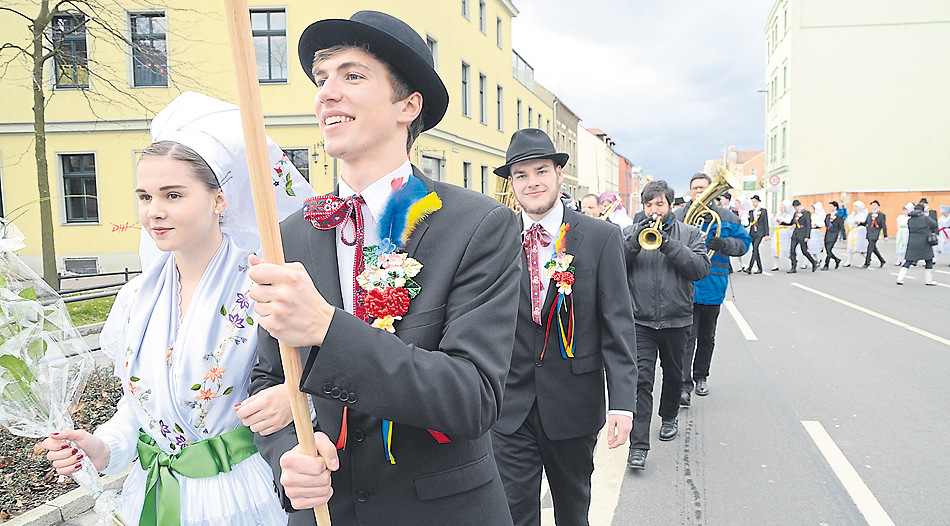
829 246
702 339
756 257
796 242
568 465
872 247
670 346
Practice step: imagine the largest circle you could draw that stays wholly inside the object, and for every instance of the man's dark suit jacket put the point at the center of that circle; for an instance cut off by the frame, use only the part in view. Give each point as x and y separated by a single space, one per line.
758 223
802 226
570 392
443 370
874 232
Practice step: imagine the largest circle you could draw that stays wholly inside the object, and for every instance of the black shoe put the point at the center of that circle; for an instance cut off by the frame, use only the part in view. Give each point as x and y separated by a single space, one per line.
882 263
669 429
747 270
792 271
774 269
684 399
866 265
758 271
824 267
701 388
637 458
814 267
837 262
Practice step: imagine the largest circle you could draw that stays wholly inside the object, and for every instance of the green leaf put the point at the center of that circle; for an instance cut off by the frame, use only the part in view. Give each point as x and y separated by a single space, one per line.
224 312
179 430
16 391
196 387
412 288
171 445
3 282
133 378
250 320
15 366
228 390
28 293
291 193
36 349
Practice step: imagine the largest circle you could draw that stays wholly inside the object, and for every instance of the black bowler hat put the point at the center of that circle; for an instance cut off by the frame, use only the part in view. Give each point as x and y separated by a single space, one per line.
391 40
756 197
796 202
679 201
528 144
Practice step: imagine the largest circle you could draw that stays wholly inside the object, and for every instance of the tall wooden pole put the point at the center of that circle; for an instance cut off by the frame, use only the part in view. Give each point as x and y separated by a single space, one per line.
258 162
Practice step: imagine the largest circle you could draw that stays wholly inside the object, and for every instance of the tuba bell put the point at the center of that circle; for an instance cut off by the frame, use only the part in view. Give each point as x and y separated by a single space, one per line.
651 237
700 214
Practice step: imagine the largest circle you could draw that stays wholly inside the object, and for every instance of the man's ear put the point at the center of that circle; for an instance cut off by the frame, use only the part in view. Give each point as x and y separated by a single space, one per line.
410 108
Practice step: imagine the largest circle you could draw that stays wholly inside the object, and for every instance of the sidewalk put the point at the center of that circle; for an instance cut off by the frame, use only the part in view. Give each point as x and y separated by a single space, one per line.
71 509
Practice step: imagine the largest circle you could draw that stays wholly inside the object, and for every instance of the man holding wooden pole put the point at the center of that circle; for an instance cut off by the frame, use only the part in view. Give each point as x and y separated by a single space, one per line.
402 405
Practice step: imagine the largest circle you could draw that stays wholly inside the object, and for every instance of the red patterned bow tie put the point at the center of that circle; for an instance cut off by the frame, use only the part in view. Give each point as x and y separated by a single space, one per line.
532 240
330 211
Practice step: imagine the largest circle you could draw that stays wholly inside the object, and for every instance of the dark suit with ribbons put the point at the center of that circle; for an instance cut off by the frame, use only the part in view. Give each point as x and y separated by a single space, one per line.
800 234
876 224
444 369
554 408
758 229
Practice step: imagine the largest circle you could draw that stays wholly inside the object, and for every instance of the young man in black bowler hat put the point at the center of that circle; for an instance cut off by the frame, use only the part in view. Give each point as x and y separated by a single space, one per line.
759 230
403 406
574 326
800 235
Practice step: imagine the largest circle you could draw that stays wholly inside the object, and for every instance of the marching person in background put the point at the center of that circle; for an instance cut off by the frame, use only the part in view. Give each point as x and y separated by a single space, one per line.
817 240
678 203
572 329
833 227
183 333
921 227
784 222
900 240
661 290
759 230
615 213
943 233
857 233
927 210
800 237
843 213
876 224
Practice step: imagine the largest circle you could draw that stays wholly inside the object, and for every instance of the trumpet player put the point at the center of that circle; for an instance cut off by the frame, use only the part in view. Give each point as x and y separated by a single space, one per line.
662 265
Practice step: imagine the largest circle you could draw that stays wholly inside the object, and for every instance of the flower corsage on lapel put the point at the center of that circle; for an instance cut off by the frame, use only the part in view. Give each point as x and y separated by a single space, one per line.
562 310
388 270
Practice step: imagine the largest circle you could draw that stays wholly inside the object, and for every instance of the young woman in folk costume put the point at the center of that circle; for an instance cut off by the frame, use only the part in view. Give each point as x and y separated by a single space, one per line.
184 336
857 233
784 221
943 230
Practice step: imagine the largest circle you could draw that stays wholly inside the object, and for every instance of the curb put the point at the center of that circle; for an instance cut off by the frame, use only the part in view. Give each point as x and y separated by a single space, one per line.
94 328
65 507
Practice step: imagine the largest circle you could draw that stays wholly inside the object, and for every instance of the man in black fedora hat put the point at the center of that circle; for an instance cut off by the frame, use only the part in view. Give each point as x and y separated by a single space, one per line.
759 230
800 237
402 406
573 324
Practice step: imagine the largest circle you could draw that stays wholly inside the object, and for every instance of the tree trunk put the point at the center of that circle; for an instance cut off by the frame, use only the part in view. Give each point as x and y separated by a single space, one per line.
42 167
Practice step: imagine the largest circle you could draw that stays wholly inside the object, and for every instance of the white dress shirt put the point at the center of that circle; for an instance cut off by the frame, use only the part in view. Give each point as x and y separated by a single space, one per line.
551 223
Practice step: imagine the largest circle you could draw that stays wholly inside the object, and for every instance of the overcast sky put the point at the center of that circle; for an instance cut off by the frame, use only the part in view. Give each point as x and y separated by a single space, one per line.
669 82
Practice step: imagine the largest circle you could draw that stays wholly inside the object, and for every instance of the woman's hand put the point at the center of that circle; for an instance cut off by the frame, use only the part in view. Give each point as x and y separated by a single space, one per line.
266 412
68 459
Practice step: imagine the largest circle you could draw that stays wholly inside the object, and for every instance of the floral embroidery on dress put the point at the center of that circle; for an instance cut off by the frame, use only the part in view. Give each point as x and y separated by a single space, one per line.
282 176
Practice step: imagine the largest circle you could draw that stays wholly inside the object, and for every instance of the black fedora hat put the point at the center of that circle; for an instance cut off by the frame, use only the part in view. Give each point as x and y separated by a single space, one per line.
528 144
390 39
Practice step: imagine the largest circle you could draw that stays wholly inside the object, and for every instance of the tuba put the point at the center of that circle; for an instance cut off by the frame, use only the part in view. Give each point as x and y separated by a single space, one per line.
700 214
651 237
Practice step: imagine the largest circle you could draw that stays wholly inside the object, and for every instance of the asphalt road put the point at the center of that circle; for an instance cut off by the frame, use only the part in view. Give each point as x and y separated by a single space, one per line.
829 409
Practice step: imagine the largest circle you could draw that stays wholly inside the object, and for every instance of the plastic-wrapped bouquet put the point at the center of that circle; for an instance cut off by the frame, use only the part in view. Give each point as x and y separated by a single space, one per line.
44 362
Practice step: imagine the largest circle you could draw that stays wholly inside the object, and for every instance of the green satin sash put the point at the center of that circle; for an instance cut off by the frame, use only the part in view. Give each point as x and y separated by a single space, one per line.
199 460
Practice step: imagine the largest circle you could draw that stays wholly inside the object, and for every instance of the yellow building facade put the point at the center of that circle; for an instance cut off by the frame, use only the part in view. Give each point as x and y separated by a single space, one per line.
98 111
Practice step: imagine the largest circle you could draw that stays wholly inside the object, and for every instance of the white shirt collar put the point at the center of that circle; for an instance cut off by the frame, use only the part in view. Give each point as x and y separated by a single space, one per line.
550 222
377 194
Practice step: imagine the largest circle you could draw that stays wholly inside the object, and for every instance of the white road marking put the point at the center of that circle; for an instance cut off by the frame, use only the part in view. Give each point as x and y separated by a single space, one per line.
740 321
861 495
907 277
766 273
609 468
879 316
942 271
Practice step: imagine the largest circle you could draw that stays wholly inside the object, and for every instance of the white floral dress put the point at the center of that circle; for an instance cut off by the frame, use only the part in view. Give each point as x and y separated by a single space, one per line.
181 382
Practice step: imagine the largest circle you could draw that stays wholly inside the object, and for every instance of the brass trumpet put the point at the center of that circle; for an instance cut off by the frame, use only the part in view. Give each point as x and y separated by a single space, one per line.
651 237
609 209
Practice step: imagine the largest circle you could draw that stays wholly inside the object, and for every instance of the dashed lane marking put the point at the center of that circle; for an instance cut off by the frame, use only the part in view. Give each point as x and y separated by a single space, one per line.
860 493
740 321
911 328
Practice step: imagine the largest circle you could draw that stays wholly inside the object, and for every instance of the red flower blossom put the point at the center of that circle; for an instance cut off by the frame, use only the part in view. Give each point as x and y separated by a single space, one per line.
391 301
566 278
